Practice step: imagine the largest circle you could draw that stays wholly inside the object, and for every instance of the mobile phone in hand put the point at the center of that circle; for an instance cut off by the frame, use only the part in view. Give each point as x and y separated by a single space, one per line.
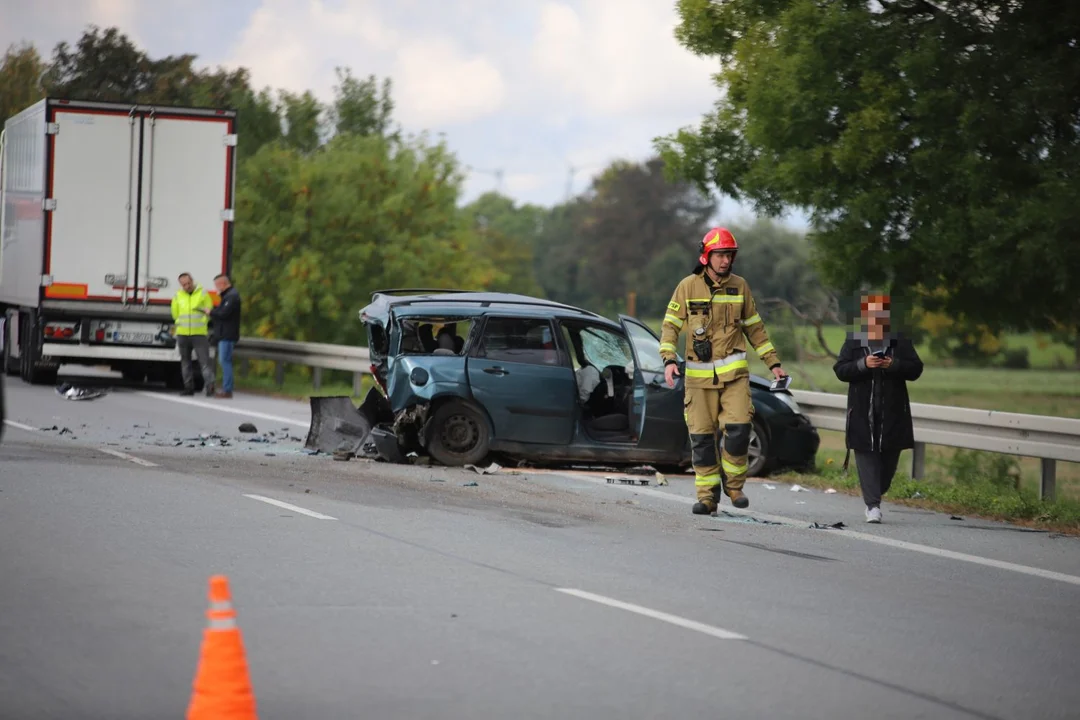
878 353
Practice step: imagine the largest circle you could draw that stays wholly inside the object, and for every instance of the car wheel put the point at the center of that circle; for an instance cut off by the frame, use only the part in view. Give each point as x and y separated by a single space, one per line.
759 450
459 435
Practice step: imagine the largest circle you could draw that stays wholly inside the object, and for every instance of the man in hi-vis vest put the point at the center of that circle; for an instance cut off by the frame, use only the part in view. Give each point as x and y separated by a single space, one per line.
190 308
717 310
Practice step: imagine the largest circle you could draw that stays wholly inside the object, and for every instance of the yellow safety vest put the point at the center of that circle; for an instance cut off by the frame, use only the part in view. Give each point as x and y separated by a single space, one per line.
187 312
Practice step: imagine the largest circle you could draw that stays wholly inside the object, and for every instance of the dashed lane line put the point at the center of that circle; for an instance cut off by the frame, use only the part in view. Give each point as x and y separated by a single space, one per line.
288 506
129 458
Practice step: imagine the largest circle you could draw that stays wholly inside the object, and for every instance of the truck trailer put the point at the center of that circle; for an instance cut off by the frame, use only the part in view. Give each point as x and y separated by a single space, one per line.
103 206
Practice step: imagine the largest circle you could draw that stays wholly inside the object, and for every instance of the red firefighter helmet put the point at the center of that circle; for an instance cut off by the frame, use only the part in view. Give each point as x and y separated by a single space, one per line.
716 240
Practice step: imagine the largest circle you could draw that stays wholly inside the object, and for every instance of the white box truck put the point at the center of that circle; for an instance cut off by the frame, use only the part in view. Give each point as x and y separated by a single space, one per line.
103 206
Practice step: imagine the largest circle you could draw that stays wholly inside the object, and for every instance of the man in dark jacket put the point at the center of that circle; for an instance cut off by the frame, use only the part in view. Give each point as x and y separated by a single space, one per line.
877 366
226 317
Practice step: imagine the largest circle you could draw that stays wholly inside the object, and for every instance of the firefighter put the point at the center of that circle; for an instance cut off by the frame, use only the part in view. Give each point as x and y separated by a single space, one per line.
716 309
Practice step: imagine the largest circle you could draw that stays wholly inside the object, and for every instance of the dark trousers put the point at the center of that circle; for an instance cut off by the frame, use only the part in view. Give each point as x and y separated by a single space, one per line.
876 470
201 345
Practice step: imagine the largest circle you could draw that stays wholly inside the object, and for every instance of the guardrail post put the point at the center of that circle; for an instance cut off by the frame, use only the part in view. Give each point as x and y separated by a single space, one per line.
279 374
918 461
316 378
245 367
357 383
1048 487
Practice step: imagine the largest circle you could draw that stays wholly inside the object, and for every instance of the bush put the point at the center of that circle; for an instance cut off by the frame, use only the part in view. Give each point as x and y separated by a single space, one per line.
1016 359
974 468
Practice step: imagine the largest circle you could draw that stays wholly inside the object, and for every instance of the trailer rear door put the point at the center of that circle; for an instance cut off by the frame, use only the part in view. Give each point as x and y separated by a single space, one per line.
89 251
187 188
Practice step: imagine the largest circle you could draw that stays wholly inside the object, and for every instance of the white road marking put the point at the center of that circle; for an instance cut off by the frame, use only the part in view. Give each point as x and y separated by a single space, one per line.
294 508
223 408
655 615
890 542
19 425
129 458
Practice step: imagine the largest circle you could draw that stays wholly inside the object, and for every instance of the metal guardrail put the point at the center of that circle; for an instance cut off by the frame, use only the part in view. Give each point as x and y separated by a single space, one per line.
1048 438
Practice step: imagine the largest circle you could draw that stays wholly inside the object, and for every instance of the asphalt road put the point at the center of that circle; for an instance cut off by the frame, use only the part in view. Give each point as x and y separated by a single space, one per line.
405 592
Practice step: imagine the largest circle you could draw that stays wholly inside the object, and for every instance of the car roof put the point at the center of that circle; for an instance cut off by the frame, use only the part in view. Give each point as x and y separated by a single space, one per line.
472 304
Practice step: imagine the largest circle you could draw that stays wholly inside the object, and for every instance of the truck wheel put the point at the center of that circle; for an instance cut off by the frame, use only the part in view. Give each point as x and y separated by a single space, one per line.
43 376
459 435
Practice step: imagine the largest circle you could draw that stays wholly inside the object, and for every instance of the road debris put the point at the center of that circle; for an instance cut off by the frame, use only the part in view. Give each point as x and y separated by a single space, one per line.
489 470
627 481
248 428
769 487
72 392
834 526
661 480
955 517
471 484
726 516
830 491
799 488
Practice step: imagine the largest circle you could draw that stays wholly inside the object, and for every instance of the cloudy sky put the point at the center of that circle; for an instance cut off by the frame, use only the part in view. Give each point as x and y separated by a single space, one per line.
529 87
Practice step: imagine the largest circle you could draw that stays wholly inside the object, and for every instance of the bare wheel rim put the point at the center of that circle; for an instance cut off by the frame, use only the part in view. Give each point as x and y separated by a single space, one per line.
460 434
754 452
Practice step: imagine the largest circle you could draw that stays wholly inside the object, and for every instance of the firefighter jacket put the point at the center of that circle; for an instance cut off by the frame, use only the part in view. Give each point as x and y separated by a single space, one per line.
726 314
187 311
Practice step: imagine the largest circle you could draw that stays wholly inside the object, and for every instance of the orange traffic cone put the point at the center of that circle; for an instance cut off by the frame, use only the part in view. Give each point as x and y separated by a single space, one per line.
222 688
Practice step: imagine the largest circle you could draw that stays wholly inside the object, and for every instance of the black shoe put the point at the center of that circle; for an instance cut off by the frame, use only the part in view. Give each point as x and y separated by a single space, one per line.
209 391
187 391
701 509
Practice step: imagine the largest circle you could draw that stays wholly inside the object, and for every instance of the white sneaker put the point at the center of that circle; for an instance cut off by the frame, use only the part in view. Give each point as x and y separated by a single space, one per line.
873 515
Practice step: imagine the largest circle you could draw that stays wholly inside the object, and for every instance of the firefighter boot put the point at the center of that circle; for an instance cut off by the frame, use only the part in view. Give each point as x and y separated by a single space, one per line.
735 462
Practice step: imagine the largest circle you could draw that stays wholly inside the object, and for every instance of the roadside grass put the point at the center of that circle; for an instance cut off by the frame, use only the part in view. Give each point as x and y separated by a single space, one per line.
979 499
965 483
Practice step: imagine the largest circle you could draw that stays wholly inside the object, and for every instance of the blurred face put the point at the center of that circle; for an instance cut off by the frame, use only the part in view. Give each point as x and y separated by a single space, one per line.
876 318
221 285
187 283
720 262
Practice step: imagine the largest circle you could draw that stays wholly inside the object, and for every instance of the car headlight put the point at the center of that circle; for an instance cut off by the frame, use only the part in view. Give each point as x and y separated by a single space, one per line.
788 400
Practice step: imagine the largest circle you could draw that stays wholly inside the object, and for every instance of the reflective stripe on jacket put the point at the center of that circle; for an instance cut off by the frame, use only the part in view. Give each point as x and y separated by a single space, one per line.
187 312
727 313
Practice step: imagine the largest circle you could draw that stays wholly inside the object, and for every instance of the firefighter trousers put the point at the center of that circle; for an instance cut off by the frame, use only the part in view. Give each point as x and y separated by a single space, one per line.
719 417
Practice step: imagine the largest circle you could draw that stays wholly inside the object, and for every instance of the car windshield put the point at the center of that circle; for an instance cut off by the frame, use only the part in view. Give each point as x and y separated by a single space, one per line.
647 347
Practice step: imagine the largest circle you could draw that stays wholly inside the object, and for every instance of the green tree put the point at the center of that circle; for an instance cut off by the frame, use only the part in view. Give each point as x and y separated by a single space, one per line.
934 143
359 107
303 117
20 73
630 216
505 235
317 232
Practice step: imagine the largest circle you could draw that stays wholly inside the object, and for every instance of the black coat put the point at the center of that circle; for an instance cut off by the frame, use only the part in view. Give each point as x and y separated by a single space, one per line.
878 409
226 316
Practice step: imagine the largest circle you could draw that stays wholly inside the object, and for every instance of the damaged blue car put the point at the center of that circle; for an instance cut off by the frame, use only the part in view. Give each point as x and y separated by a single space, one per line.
463 376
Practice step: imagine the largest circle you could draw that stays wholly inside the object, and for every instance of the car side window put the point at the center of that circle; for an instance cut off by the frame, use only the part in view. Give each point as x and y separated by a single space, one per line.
602 348
520 340
647 347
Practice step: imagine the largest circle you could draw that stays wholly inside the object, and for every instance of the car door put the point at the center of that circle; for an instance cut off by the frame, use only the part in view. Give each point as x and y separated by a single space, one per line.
663 426
519 374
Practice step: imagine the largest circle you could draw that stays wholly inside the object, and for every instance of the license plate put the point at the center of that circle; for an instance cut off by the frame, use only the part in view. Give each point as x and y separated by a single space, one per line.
133 337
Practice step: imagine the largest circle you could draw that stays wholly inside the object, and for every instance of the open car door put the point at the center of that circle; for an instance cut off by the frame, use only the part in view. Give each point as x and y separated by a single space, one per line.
658 409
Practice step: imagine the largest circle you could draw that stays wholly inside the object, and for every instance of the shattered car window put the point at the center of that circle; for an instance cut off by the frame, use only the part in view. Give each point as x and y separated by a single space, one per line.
603 348
434 336
520 340
648 348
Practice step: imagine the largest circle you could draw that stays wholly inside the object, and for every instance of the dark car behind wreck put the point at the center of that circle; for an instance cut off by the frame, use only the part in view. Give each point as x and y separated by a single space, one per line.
464 375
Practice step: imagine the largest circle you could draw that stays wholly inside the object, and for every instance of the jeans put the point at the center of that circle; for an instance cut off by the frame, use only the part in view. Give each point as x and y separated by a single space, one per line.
200 344
225 357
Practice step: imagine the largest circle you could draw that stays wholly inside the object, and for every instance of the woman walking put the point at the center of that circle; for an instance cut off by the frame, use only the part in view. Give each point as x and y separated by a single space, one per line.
877 365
